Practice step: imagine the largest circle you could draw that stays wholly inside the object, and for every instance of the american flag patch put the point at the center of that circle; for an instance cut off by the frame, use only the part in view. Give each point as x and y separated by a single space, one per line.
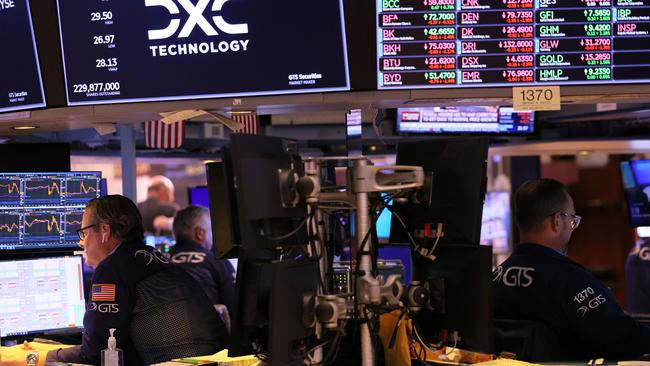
103 292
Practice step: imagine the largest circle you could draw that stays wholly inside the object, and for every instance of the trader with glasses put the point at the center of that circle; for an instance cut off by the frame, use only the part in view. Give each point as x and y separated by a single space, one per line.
538 284
159 312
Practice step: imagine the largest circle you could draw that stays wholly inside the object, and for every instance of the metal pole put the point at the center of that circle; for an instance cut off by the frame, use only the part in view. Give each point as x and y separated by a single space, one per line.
127 152
365 265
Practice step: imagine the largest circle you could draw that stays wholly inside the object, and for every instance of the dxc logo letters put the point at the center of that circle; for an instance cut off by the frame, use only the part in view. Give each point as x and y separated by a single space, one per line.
196 18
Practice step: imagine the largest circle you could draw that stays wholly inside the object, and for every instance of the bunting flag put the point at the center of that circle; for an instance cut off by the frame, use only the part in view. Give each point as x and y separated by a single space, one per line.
250 122
160 135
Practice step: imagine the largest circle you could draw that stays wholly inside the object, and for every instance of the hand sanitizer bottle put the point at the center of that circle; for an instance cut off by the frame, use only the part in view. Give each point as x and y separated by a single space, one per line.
112 356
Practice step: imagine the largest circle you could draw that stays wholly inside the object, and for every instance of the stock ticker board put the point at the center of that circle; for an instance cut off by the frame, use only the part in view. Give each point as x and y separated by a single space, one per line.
21 86
152 50
492 43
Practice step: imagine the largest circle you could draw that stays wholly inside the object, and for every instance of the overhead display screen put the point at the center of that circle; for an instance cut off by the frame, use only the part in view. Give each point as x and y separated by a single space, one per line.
21 86
489 43
151 50
476 119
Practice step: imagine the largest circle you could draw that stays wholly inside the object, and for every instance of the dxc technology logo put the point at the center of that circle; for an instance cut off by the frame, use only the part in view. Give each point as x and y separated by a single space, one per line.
196 18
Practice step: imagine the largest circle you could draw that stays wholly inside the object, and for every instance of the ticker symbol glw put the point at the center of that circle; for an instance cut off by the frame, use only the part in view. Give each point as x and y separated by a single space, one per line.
196 18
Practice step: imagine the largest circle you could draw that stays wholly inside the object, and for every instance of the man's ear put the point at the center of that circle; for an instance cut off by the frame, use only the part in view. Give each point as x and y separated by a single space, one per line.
105 230
199 234
556 221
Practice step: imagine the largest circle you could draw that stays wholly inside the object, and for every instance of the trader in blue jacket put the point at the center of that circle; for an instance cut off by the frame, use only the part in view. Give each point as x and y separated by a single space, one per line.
158 310
539 283
637 279
193 251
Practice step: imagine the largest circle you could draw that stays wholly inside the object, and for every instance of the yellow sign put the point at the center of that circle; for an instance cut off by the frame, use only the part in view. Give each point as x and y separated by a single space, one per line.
536 98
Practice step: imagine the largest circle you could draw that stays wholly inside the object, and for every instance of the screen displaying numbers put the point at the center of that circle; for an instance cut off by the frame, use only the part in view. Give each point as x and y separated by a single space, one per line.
481 43
21 86
153 50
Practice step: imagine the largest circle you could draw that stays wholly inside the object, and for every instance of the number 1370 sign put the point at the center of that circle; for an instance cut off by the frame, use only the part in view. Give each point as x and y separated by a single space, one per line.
546 98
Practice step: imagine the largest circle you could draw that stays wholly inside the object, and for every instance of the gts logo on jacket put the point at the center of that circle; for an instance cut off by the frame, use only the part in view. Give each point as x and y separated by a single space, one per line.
644 254
104 308
188 257
514 276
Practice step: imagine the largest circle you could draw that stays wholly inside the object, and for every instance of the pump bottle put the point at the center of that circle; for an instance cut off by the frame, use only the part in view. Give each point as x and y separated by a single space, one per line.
112 356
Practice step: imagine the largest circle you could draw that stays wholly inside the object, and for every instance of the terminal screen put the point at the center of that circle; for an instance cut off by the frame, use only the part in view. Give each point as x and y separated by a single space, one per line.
495 223
636 184
21 86
44 210
199 196
481 43
41 295
480 119
153 50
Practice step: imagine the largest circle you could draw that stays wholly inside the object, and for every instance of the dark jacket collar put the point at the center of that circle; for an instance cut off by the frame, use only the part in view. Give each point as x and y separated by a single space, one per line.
541 250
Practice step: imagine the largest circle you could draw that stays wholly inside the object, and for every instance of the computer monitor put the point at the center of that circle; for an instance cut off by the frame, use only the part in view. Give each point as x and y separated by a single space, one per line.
265 208
383 223
35 157
491 120
457 279
226 238
44 210
354 132
455 185
636 183
43 295
198 196
267 289
495 224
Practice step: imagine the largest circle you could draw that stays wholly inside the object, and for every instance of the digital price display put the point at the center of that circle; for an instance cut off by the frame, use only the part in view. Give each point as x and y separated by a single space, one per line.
153 50
482 43
475 119
21 86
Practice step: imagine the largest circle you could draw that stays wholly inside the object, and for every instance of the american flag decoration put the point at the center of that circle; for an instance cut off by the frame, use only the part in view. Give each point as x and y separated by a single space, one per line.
250 122
159 135
103 292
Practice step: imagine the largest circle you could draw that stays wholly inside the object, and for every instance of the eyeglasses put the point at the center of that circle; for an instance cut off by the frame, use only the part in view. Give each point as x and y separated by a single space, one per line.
575 219
82 232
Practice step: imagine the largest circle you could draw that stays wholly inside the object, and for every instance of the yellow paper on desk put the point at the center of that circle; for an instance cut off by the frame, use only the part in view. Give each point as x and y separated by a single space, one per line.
15 355
399 355
504 362
222 358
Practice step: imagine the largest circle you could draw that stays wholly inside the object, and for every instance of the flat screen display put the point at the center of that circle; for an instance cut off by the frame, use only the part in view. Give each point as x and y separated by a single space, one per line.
480 119
199 196
152 50
483 43
636 183
44 210
354 132
41 295
495 224
21 86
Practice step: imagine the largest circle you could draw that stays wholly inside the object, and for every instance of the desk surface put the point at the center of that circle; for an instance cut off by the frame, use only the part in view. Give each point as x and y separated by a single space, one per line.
16 355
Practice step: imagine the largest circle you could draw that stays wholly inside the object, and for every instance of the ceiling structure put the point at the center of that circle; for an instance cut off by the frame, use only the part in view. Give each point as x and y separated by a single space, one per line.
71 118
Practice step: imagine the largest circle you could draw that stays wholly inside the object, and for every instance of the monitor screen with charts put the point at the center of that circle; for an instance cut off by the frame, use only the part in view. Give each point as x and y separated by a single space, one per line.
43 295
44 210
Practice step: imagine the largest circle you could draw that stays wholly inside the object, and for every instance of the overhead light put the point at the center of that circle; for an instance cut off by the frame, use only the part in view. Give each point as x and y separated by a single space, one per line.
242 112
23 127
583 153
